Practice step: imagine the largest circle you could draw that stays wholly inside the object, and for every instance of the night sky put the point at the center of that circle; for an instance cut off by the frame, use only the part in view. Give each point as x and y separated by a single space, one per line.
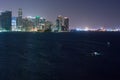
81 12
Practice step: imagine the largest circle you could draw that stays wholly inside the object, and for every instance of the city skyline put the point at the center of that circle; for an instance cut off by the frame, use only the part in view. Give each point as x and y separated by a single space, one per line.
80 12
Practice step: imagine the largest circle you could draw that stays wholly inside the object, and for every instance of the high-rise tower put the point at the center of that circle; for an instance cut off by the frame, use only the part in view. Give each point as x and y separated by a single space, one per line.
5 20
62 23
66 24
19 23
59 23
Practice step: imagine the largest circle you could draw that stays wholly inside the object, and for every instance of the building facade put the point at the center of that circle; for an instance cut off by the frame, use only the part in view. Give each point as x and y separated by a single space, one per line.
59 23
19 19
5 20
66 24
62 23
14 23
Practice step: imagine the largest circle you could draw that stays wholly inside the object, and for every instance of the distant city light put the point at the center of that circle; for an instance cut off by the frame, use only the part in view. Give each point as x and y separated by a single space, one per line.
38 23
30 17
78 29
41 18
37 16
86 28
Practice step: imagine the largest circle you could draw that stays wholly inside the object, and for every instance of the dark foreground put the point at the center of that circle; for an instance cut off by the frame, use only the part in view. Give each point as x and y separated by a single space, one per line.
59 56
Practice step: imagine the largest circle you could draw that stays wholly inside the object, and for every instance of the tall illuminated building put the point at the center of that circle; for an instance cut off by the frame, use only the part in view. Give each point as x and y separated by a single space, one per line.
37 21
5 20
40 23
62 23
19 20
66 24
14 26
59 23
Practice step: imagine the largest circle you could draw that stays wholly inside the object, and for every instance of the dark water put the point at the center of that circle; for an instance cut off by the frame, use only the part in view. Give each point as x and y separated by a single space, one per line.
59 56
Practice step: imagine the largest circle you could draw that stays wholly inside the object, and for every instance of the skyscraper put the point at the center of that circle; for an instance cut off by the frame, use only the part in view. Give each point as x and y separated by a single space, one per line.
19 20
37 21
14 28
5 20
66 24
59 23
62 23
40 23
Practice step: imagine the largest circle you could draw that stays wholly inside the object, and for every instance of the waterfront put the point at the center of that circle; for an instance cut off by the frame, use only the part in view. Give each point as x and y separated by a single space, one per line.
59 56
